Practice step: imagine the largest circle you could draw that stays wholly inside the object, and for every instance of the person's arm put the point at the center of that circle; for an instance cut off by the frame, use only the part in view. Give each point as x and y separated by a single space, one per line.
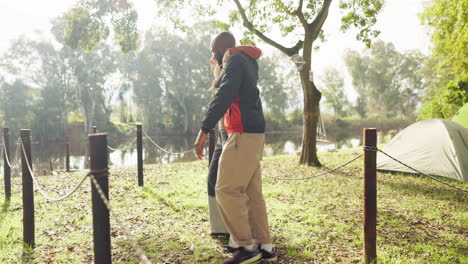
229 86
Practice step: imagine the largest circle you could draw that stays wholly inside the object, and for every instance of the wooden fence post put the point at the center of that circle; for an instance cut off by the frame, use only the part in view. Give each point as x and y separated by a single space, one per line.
51 166
140 154
28 190
6 168
370 196
101 224
211 146
67 158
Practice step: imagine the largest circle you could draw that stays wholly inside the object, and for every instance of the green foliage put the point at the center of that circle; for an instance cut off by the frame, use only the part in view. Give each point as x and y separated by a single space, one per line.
82 30
296 117
449 99
221 25
448 20
75 116
16 101
170 78
87 24
65 80
125 30
313 221
266 16
362 15
274 89
447 87
333 91
357 67
388 82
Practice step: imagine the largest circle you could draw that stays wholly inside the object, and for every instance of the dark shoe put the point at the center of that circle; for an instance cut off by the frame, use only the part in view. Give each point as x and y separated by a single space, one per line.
269 256
231 249
243 256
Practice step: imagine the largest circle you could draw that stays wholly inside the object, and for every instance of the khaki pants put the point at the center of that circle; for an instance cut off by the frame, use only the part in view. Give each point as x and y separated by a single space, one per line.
239 189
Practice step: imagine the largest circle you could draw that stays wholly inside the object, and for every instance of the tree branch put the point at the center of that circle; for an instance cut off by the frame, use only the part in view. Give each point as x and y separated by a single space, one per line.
300 15
288 51
317 24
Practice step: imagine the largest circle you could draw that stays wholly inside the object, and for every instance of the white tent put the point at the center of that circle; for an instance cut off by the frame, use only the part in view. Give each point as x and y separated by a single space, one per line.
433 146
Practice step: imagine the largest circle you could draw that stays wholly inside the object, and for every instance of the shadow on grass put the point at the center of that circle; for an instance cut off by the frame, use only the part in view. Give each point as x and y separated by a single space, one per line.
27 255
413 231
433 189
161 199
5 210
163 250
6 206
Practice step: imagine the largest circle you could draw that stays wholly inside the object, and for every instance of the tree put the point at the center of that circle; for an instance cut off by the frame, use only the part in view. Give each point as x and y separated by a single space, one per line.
37 64
53 105
274 89
296 21
90 70
388 82
170 77
333 91
12 96
447 87
87 24
358 66
143 74
304 23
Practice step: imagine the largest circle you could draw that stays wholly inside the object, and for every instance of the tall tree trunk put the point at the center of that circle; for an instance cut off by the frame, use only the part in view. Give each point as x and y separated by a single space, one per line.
186 118
85 119
181 102
312 98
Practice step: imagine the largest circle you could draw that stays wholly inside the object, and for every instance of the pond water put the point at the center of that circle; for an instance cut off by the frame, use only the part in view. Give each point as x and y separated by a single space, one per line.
51 155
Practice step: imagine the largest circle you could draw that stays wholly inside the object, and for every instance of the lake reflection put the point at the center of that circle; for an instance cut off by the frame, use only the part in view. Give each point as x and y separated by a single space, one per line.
47 156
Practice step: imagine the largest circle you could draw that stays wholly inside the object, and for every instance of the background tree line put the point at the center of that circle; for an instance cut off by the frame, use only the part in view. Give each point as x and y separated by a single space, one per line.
388 83
46 85
409 84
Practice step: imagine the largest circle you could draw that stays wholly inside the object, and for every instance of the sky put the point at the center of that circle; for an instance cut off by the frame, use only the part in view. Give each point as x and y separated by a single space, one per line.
398 23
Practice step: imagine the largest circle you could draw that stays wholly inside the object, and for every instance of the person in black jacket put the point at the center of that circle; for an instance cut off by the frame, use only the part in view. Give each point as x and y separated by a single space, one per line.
239 186
218 228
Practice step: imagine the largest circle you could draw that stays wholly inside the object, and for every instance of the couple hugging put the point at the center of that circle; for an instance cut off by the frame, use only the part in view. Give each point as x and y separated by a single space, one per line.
236 204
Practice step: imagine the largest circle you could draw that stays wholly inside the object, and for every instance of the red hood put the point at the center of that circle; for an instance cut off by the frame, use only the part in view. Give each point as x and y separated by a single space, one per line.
252 51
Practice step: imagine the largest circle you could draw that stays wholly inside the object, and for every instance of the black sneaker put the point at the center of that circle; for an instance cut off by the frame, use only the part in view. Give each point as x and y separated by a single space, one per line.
269 256
243 256
231 249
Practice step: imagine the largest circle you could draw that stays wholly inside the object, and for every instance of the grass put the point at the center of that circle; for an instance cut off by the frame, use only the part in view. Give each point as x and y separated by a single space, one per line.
313 221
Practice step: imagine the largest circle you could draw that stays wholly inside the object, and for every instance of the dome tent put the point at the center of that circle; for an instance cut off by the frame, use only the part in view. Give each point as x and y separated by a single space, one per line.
462 116
433 146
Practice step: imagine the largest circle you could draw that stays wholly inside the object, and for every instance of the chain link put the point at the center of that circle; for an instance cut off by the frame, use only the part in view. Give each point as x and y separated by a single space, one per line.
406 165
41 191
138 250
124 148
16 160
4 151
317 175
167 151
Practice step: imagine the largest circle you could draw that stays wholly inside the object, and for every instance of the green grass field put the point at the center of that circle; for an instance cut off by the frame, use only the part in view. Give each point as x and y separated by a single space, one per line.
313 221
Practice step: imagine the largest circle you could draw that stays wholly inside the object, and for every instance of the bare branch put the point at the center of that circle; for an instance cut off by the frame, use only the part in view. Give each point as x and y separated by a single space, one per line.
288 51
317 24
300 15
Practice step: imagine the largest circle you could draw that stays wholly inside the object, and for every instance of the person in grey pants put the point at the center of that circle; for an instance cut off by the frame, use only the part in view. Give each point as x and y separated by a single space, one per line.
218 227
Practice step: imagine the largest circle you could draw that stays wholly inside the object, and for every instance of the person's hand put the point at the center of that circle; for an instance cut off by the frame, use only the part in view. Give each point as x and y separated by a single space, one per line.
213 64
200 144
